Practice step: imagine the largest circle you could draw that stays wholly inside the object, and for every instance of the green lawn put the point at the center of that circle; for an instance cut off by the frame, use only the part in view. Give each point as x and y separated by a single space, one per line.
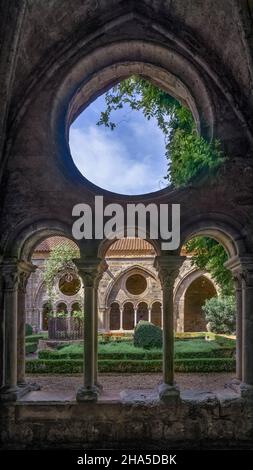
190 348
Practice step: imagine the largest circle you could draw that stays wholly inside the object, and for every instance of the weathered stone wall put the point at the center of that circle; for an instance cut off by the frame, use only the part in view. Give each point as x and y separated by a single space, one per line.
195 422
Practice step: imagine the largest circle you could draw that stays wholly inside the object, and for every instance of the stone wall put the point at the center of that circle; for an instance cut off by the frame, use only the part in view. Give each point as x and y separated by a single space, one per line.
198 419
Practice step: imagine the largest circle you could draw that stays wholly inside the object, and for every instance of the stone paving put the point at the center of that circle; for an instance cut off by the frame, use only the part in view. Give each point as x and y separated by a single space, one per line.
115 387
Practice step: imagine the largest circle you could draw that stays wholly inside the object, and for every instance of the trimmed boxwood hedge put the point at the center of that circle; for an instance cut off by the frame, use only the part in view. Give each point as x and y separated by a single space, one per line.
74 366
33 338
31 347
147 355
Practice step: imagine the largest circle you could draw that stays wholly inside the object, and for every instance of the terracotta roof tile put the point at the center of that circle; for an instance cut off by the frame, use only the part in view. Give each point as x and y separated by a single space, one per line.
51 242
130 245
125 245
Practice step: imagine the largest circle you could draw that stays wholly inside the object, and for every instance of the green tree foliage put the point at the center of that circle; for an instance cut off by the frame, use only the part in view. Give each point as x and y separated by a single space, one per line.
187 152
220 313
60 259
209 255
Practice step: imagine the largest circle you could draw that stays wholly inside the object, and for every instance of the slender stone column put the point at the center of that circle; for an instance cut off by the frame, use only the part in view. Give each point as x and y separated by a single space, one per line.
25 270
149 314
2 332
88 269
168 269
239 347
102 268
247 327
121 318
242 270
135 316
9 390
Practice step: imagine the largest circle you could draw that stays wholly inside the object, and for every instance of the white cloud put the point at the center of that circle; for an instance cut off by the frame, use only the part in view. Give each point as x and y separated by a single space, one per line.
103 159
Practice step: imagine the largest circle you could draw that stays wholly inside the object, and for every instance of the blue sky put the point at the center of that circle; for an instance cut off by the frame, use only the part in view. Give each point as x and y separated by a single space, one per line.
128 160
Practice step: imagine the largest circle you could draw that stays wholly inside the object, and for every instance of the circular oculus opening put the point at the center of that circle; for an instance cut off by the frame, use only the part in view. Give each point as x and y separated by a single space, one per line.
69 284
136 284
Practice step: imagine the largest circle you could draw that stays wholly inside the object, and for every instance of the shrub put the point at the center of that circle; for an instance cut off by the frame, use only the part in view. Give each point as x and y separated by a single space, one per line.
28 329
33 338
147 335
220 313
31 347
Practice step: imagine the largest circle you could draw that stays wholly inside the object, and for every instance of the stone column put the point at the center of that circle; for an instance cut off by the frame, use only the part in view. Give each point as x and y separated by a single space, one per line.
242 270
247 327
88 269
238 294
9 390
25 270
168 269
135 316
102 268
2 333
121 318
149 314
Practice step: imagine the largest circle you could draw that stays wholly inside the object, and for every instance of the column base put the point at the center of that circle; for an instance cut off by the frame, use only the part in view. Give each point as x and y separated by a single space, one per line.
33 386
246 391
99 387
167 393
87 394
13 394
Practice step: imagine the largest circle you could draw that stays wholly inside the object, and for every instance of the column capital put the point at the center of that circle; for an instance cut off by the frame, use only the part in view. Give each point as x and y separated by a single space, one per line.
168 267
241 268
90 270
25 269
10 272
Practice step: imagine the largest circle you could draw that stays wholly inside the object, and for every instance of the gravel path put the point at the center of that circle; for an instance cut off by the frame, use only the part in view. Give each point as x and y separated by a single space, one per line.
115 382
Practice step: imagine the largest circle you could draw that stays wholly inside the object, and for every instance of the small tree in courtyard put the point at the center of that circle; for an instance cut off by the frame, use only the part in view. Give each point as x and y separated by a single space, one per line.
220 314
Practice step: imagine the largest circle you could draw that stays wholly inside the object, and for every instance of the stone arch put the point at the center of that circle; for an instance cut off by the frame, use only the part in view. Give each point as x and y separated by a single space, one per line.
197 292
114 316
142 311
61 306
70 52
156 313
44 316
225 230
180 291
75 306
131 270
23 241
128 316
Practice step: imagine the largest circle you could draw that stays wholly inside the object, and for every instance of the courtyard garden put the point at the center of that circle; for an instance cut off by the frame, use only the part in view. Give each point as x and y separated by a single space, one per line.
194 352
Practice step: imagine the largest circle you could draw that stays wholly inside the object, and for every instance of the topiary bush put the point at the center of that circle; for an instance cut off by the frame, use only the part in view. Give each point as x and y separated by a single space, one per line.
220 313
28 329
147 335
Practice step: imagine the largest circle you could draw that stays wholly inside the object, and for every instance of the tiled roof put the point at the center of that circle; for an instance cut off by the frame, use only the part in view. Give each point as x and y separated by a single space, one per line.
50 243
131 245
126 245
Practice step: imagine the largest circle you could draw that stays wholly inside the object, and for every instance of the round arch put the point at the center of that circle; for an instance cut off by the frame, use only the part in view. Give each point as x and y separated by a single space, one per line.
22 243
226 231
127 272
114 316
180 292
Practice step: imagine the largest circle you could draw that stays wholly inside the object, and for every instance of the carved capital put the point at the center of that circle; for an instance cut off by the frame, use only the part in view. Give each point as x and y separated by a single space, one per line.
90 271
168 267
242 270
10 273
25 269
